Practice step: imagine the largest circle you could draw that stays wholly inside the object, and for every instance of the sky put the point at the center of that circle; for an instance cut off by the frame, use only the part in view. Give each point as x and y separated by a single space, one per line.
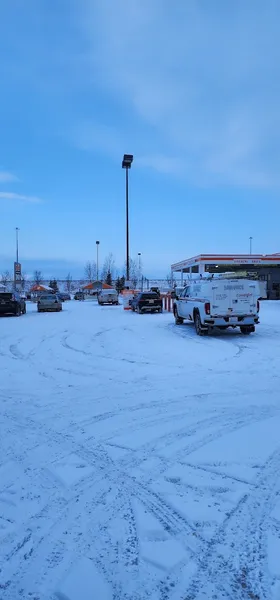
190 88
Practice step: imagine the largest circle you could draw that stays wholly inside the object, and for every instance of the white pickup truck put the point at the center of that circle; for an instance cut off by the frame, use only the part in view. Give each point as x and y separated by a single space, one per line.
219 303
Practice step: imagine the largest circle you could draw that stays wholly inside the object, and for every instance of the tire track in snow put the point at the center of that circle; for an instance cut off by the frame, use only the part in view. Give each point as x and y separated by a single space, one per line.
116 359
176 525
239 539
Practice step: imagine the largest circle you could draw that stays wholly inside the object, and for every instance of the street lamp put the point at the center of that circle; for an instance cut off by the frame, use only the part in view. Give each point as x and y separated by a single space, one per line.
97 269
139 261
251 239
17 230
126 164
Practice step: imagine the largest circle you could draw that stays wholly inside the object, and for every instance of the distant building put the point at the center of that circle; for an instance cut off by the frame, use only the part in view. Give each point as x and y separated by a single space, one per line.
264 267
95 286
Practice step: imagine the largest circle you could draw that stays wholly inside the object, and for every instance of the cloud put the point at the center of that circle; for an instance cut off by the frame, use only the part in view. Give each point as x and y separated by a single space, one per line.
19 197
201 79
91 136
6 177
161 163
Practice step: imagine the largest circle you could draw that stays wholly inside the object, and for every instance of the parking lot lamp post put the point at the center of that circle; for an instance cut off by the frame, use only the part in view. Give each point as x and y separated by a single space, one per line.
97 257
126 164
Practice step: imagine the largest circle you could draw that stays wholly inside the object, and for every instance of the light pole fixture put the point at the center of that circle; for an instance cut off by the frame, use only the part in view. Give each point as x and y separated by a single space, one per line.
139 260
97 266
251 239
126 164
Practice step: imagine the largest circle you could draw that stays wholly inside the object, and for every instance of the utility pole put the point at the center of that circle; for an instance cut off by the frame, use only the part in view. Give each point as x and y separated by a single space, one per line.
251 239
97 258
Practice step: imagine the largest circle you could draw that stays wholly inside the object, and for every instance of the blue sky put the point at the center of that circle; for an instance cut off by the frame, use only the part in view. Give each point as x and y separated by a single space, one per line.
191 88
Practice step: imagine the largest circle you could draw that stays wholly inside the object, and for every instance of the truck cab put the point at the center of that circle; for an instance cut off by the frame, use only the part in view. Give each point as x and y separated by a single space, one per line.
220 303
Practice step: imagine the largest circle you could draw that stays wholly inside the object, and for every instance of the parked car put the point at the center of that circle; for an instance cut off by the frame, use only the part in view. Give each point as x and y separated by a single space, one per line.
108 297
64 296
79 296
156 290
146 302
49 302
12 304
220 303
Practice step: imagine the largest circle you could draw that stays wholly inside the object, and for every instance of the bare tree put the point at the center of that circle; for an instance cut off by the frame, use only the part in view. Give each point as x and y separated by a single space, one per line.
23 281
68 282
90 271
6 277
133 272
108 267
169 278
38 277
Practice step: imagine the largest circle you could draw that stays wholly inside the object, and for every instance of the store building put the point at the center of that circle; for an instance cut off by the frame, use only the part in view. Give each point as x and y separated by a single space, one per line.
264 267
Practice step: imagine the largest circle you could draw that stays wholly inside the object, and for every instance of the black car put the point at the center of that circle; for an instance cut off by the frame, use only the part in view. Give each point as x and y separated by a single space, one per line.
79 296
63 296
146 302
12 304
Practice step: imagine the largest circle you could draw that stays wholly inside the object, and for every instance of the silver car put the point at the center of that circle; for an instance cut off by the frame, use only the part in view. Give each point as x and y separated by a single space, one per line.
49 302
108 297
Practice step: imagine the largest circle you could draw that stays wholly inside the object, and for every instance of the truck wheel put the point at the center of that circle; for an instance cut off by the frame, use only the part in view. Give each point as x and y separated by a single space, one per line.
198 326
18 312
178 320
139 310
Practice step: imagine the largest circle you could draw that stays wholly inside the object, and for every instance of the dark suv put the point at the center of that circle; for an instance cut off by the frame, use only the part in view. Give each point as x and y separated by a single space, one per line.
79 296
12 304
146 302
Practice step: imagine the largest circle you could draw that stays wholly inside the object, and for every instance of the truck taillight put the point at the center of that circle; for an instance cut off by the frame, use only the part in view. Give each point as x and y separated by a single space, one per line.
258 306
207 308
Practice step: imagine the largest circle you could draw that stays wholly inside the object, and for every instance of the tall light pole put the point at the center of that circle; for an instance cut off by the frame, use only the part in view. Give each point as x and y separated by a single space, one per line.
17 230
126 164
97 266
251 239
139 261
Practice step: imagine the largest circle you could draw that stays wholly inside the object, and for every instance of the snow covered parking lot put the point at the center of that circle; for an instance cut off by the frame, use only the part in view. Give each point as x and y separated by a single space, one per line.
138 460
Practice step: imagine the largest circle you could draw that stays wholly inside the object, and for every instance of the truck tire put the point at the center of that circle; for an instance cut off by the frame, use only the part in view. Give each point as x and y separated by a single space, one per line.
139 310
178 320
198 326
18 311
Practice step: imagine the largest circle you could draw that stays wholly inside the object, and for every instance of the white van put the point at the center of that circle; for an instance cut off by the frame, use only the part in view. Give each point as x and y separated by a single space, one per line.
219 303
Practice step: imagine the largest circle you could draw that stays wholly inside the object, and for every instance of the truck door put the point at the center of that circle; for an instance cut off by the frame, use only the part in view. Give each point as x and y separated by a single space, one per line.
184 308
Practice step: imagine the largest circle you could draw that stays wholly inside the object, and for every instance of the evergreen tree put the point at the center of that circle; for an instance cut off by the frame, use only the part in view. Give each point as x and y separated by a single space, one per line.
53 285
108 279
120 284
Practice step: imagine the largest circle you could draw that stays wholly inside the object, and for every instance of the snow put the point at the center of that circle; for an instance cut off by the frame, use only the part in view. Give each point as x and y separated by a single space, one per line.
84 582
137 460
